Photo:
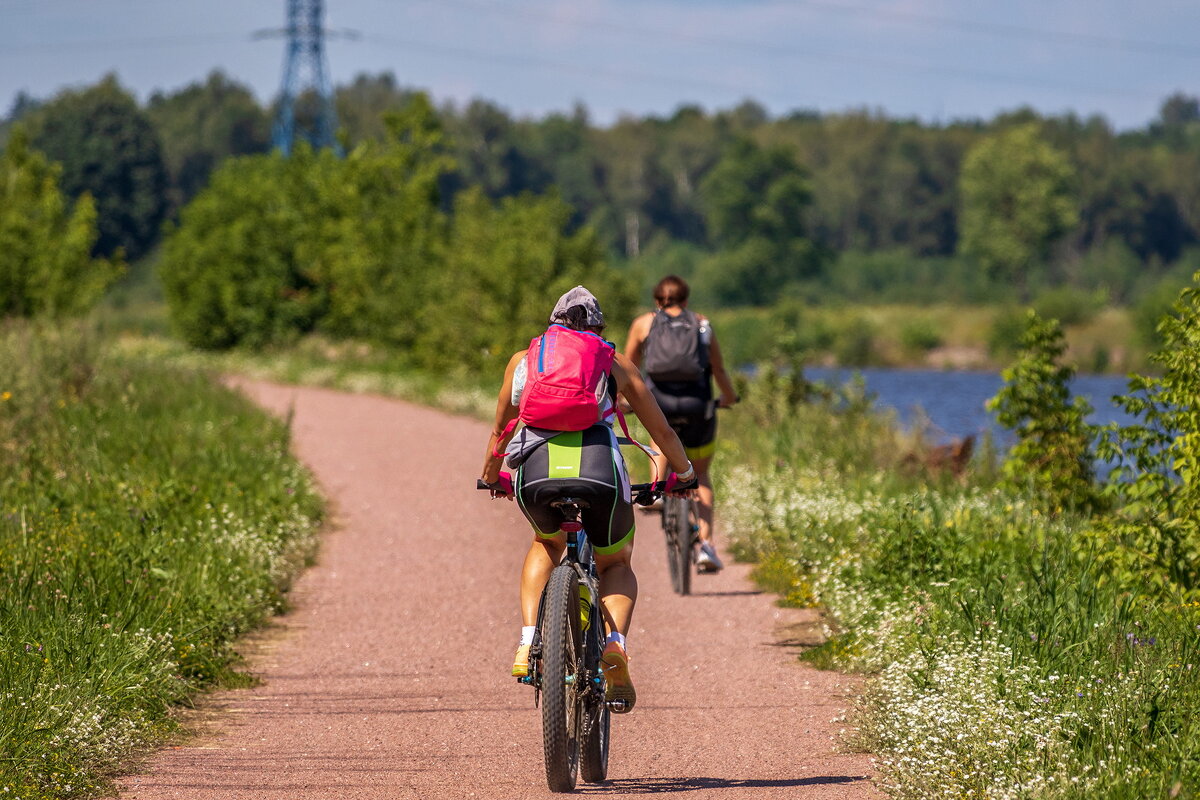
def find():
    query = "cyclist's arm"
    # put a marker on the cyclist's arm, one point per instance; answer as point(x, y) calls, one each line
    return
point(728, 393)
point(506, 412)
point(631, 385)
point(638, 331)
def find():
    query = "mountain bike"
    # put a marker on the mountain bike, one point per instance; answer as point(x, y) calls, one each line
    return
point(564, 660)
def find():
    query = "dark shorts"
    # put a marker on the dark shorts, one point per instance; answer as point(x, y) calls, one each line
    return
point(583, 464)
point(694, 419)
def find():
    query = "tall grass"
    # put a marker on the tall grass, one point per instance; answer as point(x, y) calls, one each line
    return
point(1004, 659)
point(349, 365)
point(147, 517)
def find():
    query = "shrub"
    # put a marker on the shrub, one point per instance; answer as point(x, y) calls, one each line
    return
point(1052, 455)
point(1157, 478)
point(46, 266)
point(1004, 336)
point(854, 345)
point(1070, 306)
point(1152, 307)
point(920, 335)
point(235, 270)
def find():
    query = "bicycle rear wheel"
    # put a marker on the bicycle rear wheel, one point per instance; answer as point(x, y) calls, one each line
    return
point(594, 717)
point(561, 657)
point(670, 525)
point(685, 535)
point(678, 513)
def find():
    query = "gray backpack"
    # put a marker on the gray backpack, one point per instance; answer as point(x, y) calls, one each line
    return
point(674, 350)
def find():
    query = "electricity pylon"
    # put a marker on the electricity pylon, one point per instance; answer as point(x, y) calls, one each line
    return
point(304, 68)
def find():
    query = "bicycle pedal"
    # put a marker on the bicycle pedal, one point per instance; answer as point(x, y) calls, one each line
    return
point(619, 706)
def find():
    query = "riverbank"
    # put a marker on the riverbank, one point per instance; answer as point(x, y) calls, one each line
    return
point(939, 337)
point(1007, 655)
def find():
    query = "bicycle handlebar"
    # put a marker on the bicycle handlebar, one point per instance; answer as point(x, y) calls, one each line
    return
point(643, 493)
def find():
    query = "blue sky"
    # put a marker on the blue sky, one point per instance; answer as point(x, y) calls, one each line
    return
point(938, 60)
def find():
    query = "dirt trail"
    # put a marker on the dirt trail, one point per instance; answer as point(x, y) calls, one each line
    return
point(389, 680)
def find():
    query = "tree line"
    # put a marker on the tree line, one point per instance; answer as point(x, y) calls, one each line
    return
point(751, 207)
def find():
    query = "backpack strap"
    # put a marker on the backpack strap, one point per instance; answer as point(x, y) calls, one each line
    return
point(509, 428)
point(625, 430)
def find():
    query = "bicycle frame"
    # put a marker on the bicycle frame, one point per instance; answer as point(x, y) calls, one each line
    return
point(580, 557)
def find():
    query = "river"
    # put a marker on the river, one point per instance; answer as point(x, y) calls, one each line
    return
point(953, 402)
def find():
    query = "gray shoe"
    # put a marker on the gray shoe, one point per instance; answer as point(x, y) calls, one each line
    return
point(707, 560)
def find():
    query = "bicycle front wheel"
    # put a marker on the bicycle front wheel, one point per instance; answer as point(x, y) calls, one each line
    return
point(561, 660)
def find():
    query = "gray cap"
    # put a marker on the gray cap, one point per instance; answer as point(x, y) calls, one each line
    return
point(579, 296)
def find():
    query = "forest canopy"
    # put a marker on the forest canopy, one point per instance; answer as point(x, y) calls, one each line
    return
point(750, 207)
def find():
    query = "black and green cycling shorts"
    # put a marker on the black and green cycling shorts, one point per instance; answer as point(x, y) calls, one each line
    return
point(586, 465)
point(693, 418)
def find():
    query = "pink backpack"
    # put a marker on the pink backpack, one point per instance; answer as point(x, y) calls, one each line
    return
point(567, 376)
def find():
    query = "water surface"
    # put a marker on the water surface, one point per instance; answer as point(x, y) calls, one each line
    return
point(953, 402)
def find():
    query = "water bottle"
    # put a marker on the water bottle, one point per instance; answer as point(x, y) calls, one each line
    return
point(585, 606)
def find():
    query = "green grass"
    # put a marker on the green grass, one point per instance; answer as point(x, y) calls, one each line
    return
point(1005, 659)
point(147, 518)
point(316, 361)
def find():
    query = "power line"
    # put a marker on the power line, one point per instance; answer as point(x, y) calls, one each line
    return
point(803, 52)
point(538, 62)
point(1008, 30)
point(1003, 30)
point(145, 42)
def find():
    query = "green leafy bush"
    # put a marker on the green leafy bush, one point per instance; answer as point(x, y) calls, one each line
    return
point(234, 272)
point(1052, 456)
point(508, 263)
point(1156, 482)
point(854, 342)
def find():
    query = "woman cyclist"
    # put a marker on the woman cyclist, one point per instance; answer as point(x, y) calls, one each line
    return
point(585, 464)
point(687, 403)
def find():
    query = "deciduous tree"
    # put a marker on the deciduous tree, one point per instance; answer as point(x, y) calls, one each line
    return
point(108, 148)
point(1016, 201)
point(46, 266)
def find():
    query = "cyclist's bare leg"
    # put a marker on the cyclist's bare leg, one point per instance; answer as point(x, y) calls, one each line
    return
point(544, 554)
point(618, 593)
point(618, 588)
point(704, 497)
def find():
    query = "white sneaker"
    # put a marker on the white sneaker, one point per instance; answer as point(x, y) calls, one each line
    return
point(706, 559)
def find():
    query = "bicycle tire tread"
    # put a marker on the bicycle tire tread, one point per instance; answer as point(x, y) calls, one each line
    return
point(560, 632)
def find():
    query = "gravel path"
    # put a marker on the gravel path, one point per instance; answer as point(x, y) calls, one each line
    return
point(389, 680)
